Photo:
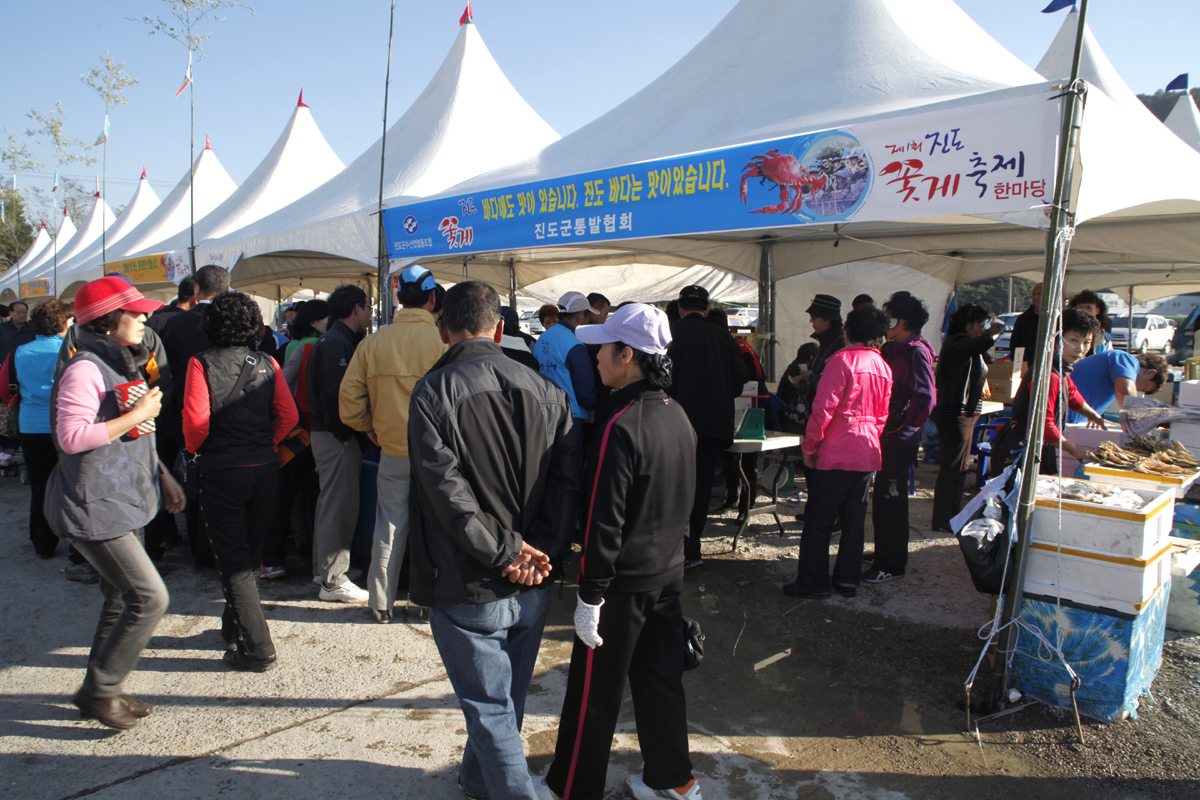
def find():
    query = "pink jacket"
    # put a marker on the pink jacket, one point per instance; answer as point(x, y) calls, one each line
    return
point(850, 411)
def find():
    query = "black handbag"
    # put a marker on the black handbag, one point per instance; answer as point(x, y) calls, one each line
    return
point(693, 639)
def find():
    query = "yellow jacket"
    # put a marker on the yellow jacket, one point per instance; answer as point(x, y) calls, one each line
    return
point(379, 381)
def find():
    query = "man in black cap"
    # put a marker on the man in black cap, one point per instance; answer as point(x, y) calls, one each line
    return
point(708, 375)
point(825, 316)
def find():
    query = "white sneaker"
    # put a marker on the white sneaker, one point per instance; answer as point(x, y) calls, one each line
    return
point(643, 792)
point(542, 790)
point(346, 593)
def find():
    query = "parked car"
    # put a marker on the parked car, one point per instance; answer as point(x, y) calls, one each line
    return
point(1002, 341)
point(742, 317)
point(530, 323)
point(1149, 332)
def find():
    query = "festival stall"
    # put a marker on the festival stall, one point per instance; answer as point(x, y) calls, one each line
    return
point(31, 285)
point(9, 280)
point(43, 276)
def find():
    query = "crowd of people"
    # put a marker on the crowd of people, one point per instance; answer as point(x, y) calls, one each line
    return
point(503, 461)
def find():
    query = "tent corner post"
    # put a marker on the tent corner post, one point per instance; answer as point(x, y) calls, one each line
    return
point(766, 307)
point(512, 284)
point(1058, 247)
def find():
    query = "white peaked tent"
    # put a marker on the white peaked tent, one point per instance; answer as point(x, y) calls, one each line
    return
point(171, 216)
point(860, 60)
point(90, 231)
point(32, 270)
point(8, 281)
point(300, 161)
point(1184, 120)
point(468, 120)
point(143, 202)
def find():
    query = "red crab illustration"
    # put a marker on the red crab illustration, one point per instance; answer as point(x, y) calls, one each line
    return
point(788, 174)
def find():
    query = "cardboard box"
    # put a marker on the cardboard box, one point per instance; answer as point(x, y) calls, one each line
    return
point(1004, 378)
point(1189, 393)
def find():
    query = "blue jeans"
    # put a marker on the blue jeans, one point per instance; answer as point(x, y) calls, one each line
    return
point(489, 651)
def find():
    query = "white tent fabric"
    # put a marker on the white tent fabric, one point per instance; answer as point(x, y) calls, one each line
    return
point(8, 281)
point(144, 201)
point(58, 245)
point(645, 283)
point(89, 232)
point(1184, 121)
point(172, 215)
point(1145, 220)
point(299, 161)
point(468, 120)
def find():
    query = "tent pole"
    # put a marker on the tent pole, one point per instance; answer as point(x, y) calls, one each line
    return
point(766, 308)
point(382, 278)
point(1058, 241)
point(512, 284)
point(1129, 327)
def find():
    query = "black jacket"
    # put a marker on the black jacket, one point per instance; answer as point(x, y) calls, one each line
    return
point(962, 371)
point(183, 337)
point(642, 464)
point(1024, 334)
point(12, 337)
point(830, 342)
point(160, 318)
point(326, 368)
point(494, 463)
point(239, 428)
point(708, 374)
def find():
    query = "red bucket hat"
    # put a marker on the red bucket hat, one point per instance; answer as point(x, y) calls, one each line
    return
point(109, 293)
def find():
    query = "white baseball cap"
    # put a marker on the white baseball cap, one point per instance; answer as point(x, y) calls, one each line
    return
point(638, 325)
point(574, 302)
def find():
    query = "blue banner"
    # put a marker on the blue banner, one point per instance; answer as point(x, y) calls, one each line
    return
point(981, 160)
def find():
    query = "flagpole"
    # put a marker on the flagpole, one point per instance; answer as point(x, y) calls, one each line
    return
point(1058, 240)
point(382, 279)
point(192, 169)
point(104, 193)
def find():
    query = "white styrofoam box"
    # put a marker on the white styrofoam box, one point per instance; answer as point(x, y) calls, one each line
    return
point(1187, 434)
point(1176, 485)
point(1183, 608)
point(1096, 579)
point(1089, 439)
point(1103, 530)
point(1189, 393)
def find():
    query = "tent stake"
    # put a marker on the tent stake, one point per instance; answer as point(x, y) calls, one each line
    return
point(1058, 246)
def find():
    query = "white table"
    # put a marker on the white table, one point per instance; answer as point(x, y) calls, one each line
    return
point(774, 441)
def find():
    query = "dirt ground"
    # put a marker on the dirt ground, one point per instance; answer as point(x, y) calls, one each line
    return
point(814, 700)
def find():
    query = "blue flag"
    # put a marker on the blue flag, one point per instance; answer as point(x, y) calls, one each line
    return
point(1180, 84)
point(1059, 5)
point(951, 307)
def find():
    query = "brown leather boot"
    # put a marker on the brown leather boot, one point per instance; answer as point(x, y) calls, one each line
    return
point(110, 711)
point(136, 707)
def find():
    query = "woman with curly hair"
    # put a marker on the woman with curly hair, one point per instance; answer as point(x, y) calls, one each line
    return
point(108, 484)
point(236, 408)
point(841, 448)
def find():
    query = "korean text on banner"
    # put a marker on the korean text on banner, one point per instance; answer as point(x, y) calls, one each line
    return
point(145, 269)
point(40, 288)
point(986, 159)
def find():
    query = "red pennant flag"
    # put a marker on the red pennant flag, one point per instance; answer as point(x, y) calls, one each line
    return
point(467, 15)
point(207, 144)
point(300, 103)
point(187, 78)
point(143, 173)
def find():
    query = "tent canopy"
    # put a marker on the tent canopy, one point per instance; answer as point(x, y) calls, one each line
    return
point(143, 202)
point(89, 232)
point(468, 120)
point(8, 281)
point(1184, 121)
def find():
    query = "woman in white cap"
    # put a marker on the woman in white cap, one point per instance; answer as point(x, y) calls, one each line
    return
point(108, 484)
point(628, 621)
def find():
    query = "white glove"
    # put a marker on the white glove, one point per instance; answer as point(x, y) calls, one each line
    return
point(587, 621)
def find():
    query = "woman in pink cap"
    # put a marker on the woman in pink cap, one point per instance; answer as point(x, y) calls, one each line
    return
point(108, 484)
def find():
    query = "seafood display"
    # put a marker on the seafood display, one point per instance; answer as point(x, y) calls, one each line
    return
point(1101, 494)
point(1150, 456)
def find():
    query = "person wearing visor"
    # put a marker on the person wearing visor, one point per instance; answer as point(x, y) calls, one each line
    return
point(108, 484)
point(374, 398)
point(628, 619)
point(910, 358)
point(1079, 328)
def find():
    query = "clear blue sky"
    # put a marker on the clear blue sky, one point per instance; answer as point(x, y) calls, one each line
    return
point(572, 61)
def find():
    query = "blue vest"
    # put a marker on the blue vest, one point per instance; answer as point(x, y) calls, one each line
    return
point(35, 371)
point(551, 350)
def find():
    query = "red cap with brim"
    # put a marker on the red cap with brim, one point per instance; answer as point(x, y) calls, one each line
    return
point(99, 297)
